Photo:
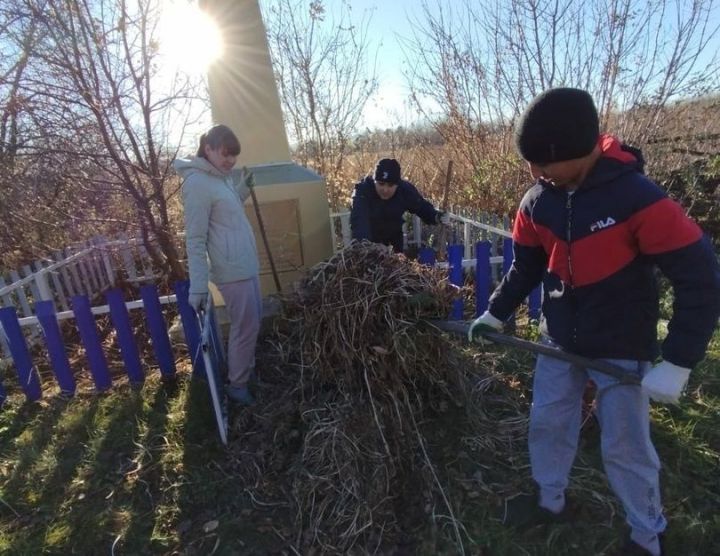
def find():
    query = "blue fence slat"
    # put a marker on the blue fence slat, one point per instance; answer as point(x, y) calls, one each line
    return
point(45, 312)
point(126, 339)
point(27, 374)
point(3, 394)
point(91, 341)
point(534, 303)
point(426, 256)
point(191, 327)
point(158, 330)
point(483, 276)
point(455, 258)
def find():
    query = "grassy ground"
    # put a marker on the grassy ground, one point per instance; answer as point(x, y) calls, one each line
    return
point(142, 472)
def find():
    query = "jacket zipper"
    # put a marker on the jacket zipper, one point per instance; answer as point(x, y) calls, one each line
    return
point(568, 207)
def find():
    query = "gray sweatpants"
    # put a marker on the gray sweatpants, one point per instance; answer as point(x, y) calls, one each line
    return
point(244, 308)
point(629, 457)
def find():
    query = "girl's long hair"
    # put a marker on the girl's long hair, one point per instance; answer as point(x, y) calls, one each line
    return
point(219, 136)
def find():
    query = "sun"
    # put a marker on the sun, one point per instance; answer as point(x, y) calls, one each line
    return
point(190, 40)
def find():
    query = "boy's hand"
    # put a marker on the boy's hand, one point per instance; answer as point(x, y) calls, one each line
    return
point(484, 323)
point(665, 382)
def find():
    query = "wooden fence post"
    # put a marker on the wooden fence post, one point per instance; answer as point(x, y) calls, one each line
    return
point(101, 243)
point(426, 256)
point(125, 337)
point(27, 373)
point(128, 260)
point(455, 268)
point(41, 279)
point(85, 321)
point(20, 293)
point(345, 229)
point(65, 277)
point(483, 275)
point(158, 330)
point(80, 287)
point(6, 302)
point(45, 312)
point(191, 328)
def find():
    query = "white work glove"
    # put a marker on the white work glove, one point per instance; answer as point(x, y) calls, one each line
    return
point(248, 177)
point(243, 177)
point(443, 218)
point(484, 323)
point(665, 382)
point(198, 301)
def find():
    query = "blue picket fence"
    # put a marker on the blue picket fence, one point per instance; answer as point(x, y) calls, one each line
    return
point(483, 274)
point(84, 316)
point(117, 307)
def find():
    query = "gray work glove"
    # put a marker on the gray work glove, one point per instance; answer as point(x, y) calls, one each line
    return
point(484, 323)
point(198, 301)
point(665, 382)
point(443, 218)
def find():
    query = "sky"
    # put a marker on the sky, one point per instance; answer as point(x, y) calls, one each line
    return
point(390, 22)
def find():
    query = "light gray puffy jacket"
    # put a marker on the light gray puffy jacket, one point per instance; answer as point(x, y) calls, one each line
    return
point(216, 227)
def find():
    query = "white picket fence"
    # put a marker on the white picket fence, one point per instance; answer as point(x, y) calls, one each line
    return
point(466, 229)
point(88, 268)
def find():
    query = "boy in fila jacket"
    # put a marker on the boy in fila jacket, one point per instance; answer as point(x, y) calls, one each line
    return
point(593, 229)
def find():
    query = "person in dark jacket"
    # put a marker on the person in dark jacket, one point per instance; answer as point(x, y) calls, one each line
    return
point(379, 203)
point(593, 229)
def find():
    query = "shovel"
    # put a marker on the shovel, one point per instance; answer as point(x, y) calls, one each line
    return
point(461, 328)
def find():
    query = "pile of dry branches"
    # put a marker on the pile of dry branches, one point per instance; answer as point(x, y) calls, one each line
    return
point(357, 322)
point(367, 367)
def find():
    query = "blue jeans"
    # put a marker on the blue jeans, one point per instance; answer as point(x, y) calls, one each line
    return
point(629, 457)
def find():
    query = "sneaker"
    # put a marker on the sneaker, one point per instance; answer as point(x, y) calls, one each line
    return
point(240, 395)
point(631, 548)
point(523, 511)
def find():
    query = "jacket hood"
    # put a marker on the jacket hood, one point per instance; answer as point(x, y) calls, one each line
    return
point(616, 159)
point(187, 166)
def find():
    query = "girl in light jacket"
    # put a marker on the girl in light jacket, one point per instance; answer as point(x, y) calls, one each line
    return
point(217, 231)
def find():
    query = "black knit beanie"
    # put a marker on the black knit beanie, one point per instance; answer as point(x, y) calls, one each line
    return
point(388, 169)
point(559, 124)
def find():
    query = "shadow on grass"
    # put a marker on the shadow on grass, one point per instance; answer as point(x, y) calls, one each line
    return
point(46, 467)
point(147, 486)
point(24, 440)
point(207, 492)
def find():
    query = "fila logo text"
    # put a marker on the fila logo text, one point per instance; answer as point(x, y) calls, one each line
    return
point(602, 224)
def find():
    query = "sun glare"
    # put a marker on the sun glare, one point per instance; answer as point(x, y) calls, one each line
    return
point(189, 38)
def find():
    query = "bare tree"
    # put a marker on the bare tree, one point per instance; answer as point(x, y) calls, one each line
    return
point(95, 99)
point(479, 64)
point(325, 77)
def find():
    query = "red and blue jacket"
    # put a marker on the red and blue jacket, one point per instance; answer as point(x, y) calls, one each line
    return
point(596, 251)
